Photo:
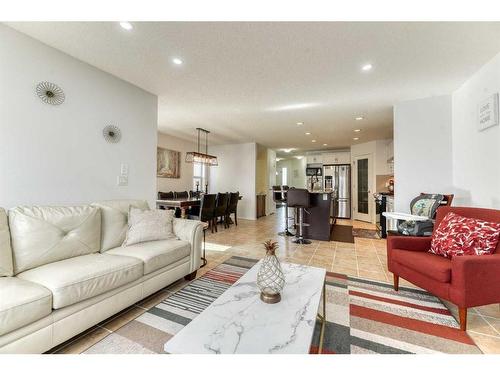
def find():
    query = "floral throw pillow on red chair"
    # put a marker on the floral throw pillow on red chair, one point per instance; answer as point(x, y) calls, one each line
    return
point(459, 235)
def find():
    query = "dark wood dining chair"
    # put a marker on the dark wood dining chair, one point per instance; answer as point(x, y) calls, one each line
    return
point(221, 209)
point(165, 195)
point(194, 194)
point(181, 195)
point(232, 207)
point(207, 210)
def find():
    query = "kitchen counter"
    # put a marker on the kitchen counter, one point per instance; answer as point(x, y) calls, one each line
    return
point(319, 216)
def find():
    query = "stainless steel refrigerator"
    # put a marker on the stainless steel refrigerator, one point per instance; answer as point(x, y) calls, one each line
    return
point(338, 178)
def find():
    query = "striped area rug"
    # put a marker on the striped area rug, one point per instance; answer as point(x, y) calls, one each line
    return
point(363, 316)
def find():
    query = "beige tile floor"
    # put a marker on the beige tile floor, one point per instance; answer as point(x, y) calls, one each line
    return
point(365, 258)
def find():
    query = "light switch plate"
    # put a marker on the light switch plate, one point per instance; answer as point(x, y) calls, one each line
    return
point(124, 169)
point(325, 197)
point(122, 180)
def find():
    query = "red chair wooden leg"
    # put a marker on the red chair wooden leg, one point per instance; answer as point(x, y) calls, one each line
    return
point(462, 312)
point(396, 282)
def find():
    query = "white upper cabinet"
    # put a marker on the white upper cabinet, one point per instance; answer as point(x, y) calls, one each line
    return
point(315, 159)
point(342, 157)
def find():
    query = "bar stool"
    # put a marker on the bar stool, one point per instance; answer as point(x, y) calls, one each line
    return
point(299, 199)
point(279, 197)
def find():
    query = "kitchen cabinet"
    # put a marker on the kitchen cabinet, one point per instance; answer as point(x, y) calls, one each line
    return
point(314, 158)
point(342, 157)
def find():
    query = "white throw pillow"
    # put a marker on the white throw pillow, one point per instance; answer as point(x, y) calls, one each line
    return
point(149, 225)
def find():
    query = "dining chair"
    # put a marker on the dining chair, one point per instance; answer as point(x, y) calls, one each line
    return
point(232, 207)
point(181, 194)
point(164, 195)
point(194, 194)
point(207, 210)
point(221, 209)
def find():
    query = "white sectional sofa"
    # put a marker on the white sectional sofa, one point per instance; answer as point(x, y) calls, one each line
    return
point(63, 270)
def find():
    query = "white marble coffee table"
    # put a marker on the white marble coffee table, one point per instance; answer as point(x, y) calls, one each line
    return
point(239, 322)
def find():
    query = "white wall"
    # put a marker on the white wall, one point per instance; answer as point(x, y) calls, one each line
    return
point(185, 182)
point(296, 172)
point(56, 154)
point(422, 149)
point(476, 155)
point(271, 169)
point(235, 172)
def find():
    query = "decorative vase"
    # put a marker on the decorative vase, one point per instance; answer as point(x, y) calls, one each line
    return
point(270, 278)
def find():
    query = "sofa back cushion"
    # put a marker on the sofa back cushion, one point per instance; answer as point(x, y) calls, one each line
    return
point(6, 267)
point(114, 215)
point(42, 235)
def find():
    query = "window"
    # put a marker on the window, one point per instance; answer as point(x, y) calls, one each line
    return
point(199, 176)
point(284, 176)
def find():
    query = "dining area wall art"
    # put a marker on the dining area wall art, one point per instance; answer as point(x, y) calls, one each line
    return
point(168, 163)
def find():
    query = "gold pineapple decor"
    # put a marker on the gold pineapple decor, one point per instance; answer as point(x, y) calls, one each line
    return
point(270, 278)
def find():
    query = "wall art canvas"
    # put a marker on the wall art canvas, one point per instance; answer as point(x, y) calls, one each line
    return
point(168, 163)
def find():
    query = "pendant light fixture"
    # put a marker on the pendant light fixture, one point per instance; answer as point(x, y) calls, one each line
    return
point(200, 157)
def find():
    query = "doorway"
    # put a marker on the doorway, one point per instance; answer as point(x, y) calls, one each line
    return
point(362, 185)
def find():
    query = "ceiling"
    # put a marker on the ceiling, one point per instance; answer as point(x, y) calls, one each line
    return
point(253, 81)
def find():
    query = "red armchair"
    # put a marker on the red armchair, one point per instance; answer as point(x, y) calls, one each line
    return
point(466, 281)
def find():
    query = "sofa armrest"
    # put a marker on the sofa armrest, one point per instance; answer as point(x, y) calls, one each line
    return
point(475, 280)
point(191, 231)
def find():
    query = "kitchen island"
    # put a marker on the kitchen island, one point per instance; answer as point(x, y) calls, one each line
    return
point(320, 224)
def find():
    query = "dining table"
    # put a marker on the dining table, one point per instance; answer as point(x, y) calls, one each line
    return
point(182, 203)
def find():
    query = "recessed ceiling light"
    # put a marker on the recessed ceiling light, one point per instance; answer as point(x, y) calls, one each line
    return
point(126, 25)
point(177, 61)
point(355, 138)
point(308, 133)
point(359, 118)
point(300, 123)
point(357, 130)
point(367, 67)
point(324, 144)
point(313, 141)
point(287, 150)
point(299, 157)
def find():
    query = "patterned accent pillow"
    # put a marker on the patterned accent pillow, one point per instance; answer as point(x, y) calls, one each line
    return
point(458, 235)
point(149, 225)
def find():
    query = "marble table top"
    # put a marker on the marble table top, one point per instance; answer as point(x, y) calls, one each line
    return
point(239, 322)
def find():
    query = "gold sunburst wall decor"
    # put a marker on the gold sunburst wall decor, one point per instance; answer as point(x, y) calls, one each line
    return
point(50, 93)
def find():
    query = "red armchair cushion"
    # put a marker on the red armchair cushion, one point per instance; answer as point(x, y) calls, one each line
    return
point(430, 265)
point(459, 235)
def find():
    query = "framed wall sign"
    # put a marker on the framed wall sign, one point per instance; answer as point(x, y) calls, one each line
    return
point(488, 112)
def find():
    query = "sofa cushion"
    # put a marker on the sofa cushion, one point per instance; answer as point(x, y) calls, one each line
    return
point(460, 235)
point(149, 225)
point(430, 265)
point(22, 302)
point(42, 235)
point(114, 215)
point(76, 279)
point(6, 267)
point(155, 254)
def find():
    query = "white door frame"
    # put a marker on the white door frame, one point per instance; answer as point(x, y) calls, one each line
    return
point(354, 177)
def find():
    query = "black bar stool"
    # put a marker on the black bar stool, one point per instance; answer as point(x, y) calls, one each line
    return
point(279, 197)
point(299, 199)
